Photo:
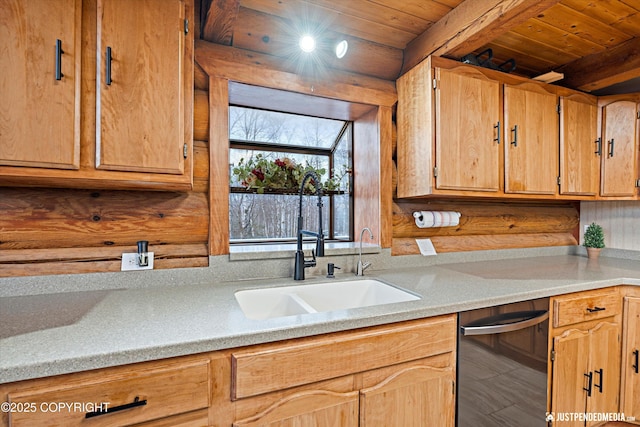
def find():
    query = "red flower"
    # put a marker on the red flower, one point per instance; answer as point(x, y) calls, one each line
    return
point(280, 163)
point(258, 173)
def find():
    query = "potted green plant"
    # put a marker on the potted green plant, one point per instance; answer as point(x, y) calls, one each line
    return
point(594, 240)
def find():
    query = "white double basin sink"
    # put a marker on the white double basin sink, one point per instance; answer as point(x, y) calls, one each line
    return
point(281, 301)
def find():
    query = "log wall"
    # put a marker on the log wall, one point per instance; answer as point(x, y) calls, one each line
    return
point(59, 231)
point(486, 225)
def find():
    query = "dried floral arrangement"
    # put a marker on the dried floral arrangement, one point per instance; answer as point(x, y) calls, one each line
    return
point(261, 173)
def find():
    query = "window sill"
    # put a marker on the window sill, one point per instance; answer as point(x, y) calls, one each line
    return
point(278, 251)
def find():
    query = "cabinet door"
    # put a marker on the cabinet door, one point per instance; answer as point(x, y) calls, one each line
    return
point(415, 396)
point(619, 121)
point(605, 369)
point(315, 408)
point(40, 83)
point(467, 131)
point(630, 399)
point(580, 149)
point(569, 377)
point(140, 98)
point(531, 140)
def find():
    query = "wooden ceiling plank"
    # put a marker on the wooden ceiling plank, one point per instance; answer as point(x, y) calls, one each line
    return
point(534, 49)
point(557, 38)
point(472, 24)
point(274, 36)
point(267, 71)
point(574, 22)
point(218, 20)
point(305, 16)
point(603, 69)
point(615, 13)
point(431, 11)
point(379, 14)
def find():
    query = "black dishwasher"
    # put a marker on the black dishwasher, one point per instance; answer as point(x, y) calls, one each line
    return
point(502, 365)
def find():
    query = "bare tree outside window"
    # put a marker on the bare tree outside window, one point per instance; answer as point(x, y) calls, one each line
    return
point(323, 144)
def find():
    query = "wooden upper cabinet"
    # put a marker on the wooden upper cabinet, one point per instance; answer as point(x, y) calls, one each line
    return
point(415, 121)
point(467, 109)
point(531, 139)
point(40, 83)
point(140, 99)
point(580, 148)
point(619, 148)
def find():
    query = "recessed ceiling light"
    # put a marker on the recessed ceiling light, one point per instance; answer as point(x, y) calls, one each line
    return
point(307, 43)
point(341, 49)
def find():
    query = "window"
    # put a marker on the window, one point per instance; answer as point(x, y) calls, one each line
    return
point(267, 143)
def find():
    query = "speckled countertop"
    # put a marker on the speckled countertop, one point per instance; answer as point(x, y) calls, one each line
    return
point(50, 334)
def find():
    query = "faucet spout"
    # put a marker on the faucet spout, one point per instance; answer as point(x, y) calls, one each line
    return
point(300, 262)
point(361, 267)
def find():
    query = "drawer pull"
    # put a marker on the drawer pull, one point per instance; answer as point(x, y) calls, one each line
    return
point(595, 309)
point(136, 402)
point(599, 386)
point(635, 366)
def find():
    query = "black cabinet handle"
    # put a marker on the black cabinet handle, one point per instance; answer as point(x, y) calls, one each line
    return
point(590, 382)
point(595, 309)
point(611, 147)
point(59, 53)
point(136, 402)
point(108, 66)
point(635, 366)
point(600, 374)
point(514, 132)
point(497, 138)
point(599, 146)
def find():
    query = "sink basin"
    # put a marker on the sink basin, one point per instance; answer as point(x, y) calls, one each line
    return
point(293, 300)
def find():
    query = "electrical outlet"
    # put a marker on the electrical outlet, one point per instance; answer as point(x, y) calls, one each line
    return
point(585, 228)
point(130, 262)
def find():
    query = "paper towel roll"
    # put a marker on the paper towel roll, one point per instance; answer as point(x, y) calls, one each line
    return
point(428, 219)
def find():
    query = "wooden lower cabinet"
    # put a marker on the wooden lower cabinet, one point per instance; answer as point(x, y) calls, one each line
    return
point(394, 375)
point(419, 394)
point(630, 390)
point(585, 357)
point(315, 407)
point(413, 394)
point(172, 392)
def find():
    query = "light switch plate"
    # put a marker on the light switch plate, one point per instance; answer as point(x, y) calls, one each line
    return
point(129, 262)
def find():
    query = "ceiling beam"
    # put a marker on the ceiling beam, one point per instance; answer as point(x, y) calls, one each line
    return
point(259, 69)
point(471, 25)
point(602, 69)
point(218, 19)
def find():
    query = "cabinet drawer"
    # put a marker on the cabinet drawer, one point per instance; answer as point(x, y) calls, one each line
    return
point(278, 366)
point(585, 306)
point(134, 397)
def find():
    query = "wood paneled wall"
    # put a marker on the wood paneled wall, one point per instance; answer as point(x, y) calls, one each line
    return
point(620, 221)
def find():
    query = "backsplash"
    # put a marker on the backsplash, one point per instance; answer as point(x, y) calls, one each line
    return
point(620, 221)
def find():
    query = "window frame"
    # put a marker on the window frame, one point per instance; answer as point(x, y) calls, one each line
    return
point(315, 151)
